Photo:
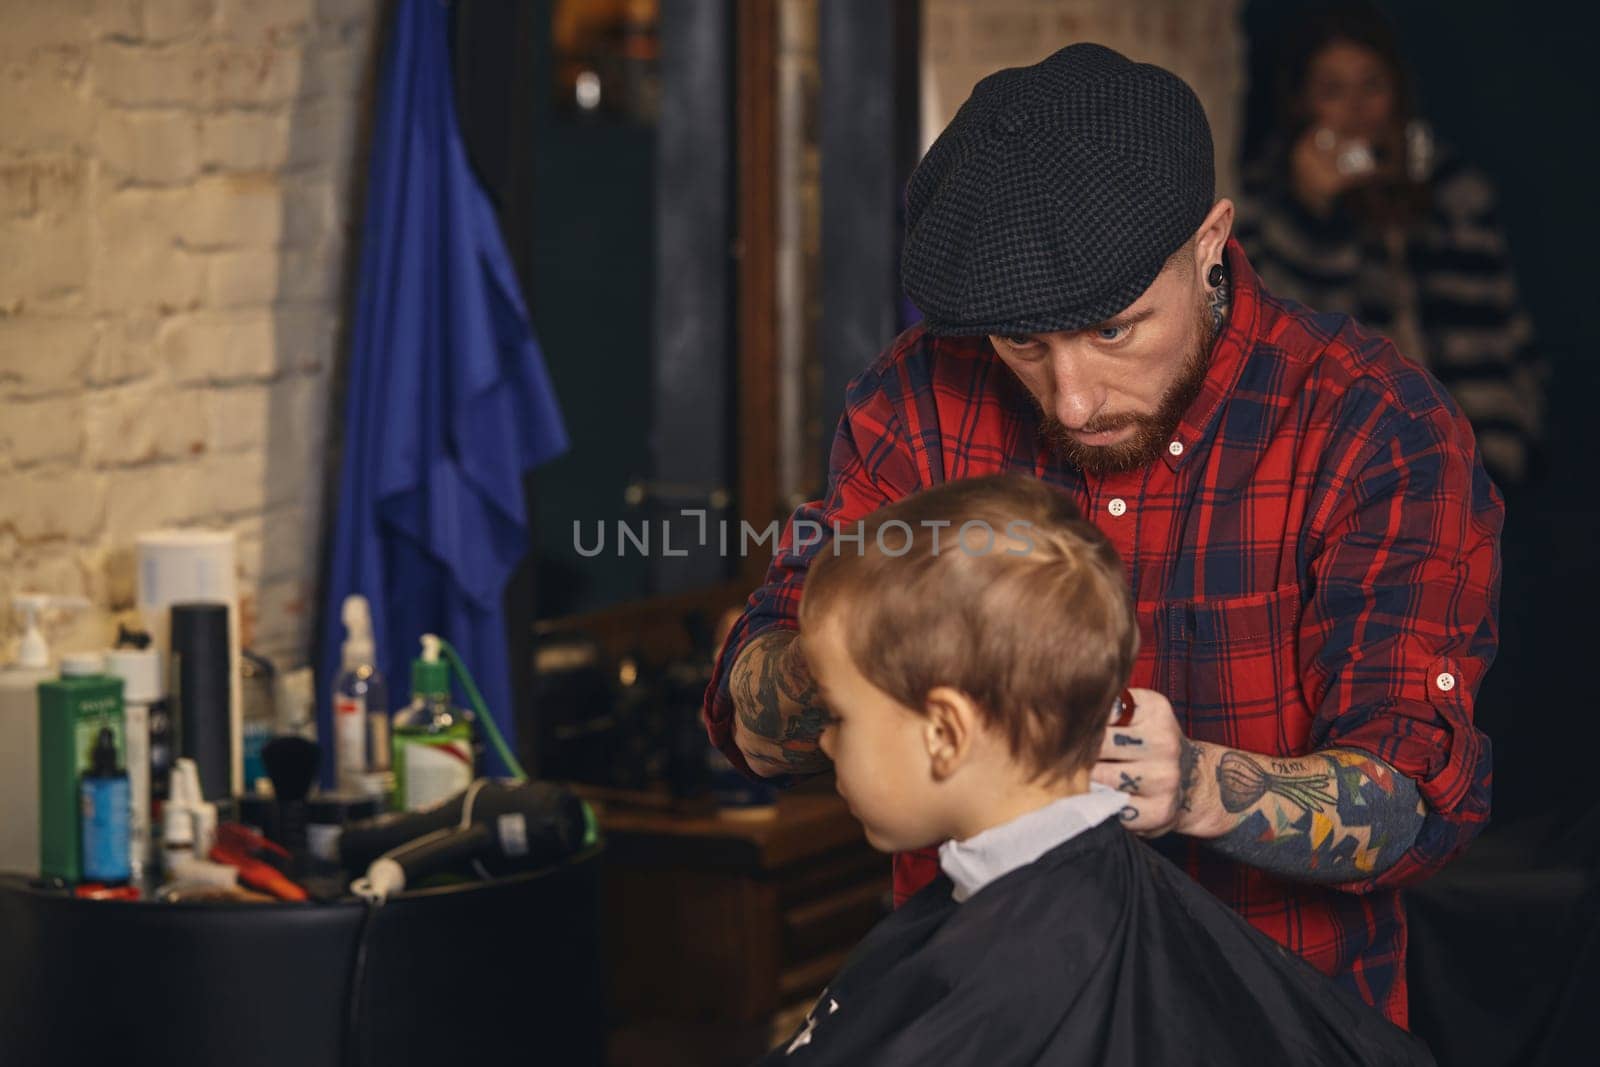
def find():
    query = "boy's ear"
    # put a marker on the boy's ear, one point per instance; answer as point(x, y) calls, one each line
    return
point(951, 730)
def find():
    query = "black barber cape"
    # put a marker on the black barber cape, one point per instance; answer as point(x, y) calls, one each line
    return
point(1099, 952)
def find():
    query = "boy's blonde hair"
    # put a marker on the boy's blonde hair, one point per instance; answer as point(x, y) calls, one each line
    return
point(1038, 630)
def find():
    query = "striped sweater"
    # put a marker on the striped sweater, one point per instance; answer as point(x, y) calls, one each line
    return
point(1443, 292)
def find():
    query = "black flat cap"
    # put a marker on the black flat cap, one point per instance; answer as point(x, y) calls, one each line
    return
point(1056, 195)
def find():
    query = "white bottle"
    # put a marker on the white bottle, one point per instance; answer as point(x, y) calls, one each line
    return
point(19, 726)
point(360, 706)
point(142, 693)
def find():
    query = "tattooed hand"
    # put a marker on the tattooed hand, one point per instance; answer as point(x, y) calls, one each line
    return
point(777, 713)
point(1151, 761)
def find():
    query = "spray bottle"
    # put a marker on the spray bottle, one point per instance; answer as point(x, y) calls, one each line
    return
point(19, 726)
point(433, 750)
point(360, 708)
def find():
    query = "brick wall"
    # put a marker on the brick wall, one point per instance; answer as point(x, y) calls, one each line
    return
point(176, 191)
point(1198, 40)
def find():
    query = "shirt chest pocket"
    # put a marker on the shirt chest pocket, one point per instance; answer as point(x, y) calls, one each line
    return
point(1230, 667)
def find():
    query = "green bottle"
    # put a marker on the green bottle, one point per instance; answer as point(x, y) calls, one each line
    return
point(434, 757)
point(73, 710)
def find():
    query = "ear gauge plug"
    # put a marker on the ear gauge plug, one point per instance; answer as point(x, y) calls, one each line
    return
point(1215, 275)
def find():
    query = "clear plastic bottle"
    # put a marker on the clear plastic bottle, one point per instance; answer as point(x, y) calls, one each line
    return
point(360, 708)
point(434, 756)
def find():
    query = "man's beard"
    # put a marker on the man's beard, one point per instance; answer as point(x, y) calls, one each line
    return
point(1151, 432)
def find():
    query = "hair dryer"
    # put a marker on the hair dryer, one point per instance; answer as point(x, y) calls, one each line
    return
point(493, 828)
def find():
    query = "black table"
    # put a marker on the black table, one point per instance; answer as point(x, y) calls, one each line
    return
point(498, 972)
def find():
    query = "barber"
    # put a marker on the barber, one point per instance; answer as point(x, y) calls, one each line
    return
point(1303, 514)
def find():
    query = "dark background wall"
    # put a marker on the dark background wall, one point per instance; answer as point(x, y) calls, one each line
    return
point(1514, 87)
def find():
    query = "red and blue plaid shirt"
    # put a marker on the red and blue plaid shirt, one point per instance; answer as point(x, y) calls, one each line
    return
point(1314, 558)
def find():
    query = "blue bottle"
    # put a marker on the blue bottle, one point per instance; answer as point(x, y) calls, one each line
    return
point(107, 811)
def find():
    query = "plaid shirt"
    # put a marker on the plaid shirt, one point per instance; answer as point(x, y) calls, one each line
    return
point(1315, 563)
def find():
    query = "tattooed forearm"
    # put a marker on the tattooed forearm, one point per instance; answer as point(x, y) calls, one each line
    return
point(777, 705)
point(1334, 816)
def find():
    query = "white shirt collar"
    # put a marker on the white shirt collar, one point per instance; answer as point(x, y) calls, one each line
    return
point(999, 850)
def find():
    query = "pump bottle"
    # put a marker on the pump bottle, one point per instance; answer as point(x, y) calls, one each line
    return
point(360, 708)
point(433, 742)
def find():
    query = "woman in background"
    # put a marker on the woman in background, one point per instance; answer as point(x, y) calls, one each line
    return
point(1353, 208)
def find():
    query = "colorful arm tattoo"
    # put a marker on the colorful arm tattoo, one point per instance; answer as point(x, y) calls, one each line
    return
point(777, 700)
point(1333, 816)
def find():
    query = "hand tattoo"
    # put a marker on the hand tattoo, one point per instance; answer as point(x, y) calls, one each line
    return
point(776, 699)
point(1129, 783)
point(1123, 740)
point(1188, 768)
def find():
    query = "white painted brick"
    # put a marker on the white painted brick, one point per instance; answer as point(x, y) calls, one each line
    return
point(236, 483)
point(217, 347)
point(18, 197)
point(118, 18)
point(310, 212)
point(249, 547)
point(153, 250)
point(126, 351)
point(290, 541)
point(150, 277)
point(111, 574)
point(158, 148)
point(44, 355)
point(39, 431)
point(93, 564)
point(324, 130)
point(311, 274)
point(147, 498)
point(165, 20)
point(48, 567)
point(245, 279)
point(296, 431)
point(306, 336)
point(284, 610)
point(32, 27)
point(131, 218)
point(56, 119)
point(237, 418)
point(232, 211)
point(246, 140)
point(337, 72)
point(140, 424)
point(42, 185)
point(347, 13)
point(285, 419)
point(257, 75)
point(137, 75)
point(50, 503)
point(280, 22)
point(44, 263)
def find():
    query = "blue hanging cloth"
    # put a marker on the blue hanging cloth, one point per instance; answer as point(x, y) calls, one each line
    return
point(448, 401)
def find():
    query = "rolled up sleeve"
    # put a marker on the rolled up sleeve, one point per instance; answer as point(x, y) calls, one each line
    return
point(1402, 624)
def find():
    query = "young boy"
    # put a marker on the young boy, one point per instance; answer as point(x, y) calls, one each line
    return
point(970, 646)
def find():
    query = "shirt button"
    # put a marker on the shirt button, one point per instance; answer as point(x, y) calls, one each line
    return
point(1176, 448)
point(1118, 507)
point(1446, 682)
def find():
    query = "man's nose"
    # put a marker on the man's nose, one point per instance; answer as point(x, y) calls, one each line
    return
point(1078, 397)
